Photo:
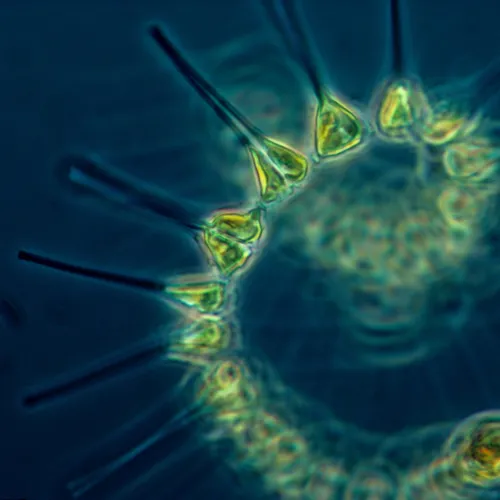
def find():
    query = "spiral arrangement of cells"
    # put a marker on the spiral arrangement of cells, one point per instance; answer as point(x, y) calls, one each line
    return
point(389, 207)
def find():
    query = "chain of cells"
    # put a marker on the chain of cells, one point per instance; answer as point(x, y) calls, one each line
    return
point(386, 236)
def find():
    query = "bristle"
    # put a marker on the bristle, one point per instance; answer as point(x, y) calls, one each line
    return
point(245, 131)
point(138, 357)
point(396, 42)
point(85, 484)
point(486, 85)
point(89, 176)
point(286, 18)
point(141, 283)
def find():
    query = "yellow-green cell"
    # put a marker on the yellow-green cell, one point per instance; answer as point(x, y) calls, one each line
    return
point(245, 227)
point(445, 124)
point(227, 385)
point(292, 164)
point(474, 450)
point(459, 207)
point(199, 292)
point(474, 160)
point(326, 479)
point(399, 106)
point(227, 254)
point(484, 450)
point(204, 337)
point(338, 128)
point(272, 183)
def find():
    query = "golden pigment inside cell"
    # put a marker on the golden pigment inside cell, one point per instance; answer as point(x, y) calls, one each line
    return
point(201, 292)
point(444, 125)
point(201, 339)
point(459, 207)
point(338, 128)
point(272, 183)
point(226, 384)
point(293, 165)
point(474, 160)
point(474, 450)
point(396, 112)
point(243, 226)
point(228, 255)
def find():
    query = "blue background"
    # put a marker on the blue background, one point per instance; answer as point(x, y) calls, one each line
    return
point(79, 77)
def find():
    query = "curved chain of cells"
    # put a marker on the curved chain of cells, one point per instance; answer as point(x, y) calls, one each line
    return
point(413, 248)
point(379, 241)
point(468, 465)
point(234, 397)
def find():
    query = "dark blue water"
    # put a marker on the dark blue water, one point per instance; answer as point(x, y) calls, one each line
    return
point(83, 379)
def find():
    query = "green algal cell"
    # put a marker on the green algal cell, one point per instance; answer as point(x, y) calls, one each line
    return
point(395, 116)
point(459, 207)
point(292, 164)
point(245, 227)
point(447, 122)
point(474, 160)
point(338, 129)
point(227, 254)
point(272, 183)
point(205, 295)
point(207, 335)
point(475, 450)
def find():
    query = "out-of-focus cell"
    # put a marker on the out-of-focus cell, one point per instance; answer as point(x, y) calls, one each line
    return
point(228, 255)
point(278, 452)
point(474, 450)
point(326, 480)
point(458, 243)
point(338, 128)
point(289, 472)
point(266, 429)
point(421, 236)
point(272, 183)
point(459, 207)
point(270, 443)
point(371, 484)
point(416, 231)
point(443, 125)
point(245, 227)
point(474, 160)
point(401, 104)
point(289, 449)
point(201, 292)
point(227, 384)
point(202, 339)
point(293, 165)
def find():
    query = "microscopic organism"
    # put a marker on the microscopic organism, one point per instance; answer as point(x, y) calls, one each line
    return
point(379, 215)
